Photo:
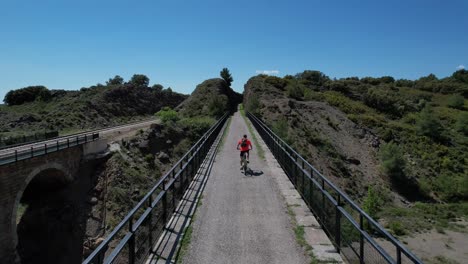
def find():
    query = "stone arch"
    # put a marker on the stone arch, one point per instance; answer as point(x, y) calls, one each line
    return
point(59, 171)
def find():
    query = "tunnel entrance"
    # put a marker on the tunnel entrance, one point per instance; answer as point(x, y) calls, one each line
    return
point(47, 225)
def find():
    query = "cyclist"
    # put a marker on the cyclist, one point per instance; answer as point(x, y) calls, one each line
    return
point(244, 145)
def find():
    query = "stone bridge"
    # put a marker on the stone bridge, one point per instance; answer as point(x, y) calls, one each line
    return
point(55, 183)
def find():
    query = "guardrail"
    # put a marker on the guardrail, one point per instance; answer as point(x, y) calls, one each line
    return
point(358, 237)
point(133, 239)
point(9, 142)
point(49, 147)
point(77, 134)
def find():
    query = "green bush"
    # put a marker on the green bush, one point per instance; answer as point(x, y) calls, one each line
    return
point(456, 101)
point(462, 123)
point(372, 202)
point(27, 94)
point(428, 124)
point(397, 228)
point(280, 128)
point(217, 105)
point(393, 162)
point(311, 95)
point(276, 82)
point(295, 91)
point(167, 114)
point(253, 104)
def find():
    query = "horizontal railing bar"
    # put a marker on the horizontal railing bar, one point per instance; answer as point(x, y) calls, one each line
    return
point(119, 248)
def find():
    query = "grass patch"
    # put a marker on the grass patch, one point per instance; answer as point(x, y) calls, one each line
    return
point(299, 233)
point(187, 238)
point(261, 152)
point(20, 212)
point(225, 132)
point(423, 217)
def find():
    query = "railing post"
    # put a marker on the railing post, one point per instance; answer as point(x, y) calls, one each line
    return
point(45, 148)
point(32, 151)
point(361, 240)
point(338, 224)
point(164, 201)
point(131, 242)
point(68, 142)
point(16, 155)
point(150, 223)
point(398, 255)
point(57, 145)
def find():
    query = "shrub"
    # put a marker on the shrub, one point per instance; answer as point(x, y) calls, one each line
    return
point(167, 114)
point(295, 91)
point(276, 82)
point(456, 101)
point(393, 162)
point(217, 105)
point(27, 94)
point(397, 228)
point(462, 123)
point(372, 202)
point(280, 128)
point(428, 125)
point(310, 95)
point(253, 104)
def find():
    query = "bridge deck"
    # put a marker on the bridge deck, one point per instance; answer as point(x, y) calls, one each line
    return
point(242, 219)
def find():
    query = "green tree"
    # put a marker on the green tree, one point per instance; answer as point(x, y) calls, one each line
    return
point(295, 91)
point(393, 162)
point(313, 77)
point(157, 87)
point(226, 75)
point(217, 105)
point(27, 94)
point(462, 123)
point(372, 202)
point(139, 80)
point(456, 101)
point(427, 124)
point(117, 80)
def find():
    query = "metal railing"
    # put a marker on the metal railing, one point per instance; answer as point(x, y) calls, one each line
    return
point(133, 239)
point(356, 235)
point(13, 141)
point(36, 138)
point(15, 155)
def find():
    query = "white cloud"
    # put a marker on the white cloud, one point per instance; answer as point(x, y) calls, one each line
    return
point(268, 72)
point(461, 67)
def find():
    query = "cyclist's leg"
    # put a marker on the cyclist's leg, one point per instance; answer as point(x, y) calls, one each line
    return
point(241, 158)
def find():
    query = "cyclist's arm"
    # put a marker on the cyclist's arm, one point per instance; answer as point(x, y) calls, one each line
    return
point(238, 144)
point(250, 144)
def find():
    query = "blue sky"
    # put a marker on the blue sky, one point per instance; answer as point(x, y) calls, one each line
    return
point(74, 44)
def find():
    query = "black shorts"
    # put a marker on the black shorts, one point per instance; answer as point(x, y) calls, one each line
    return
point(242, 152)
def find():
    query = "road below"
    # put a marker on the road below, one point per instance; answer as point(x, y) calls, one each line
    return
point(242, 219)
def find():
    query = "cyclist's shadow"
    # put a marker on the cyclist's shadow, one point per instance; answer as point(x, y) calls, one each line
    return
point(255, 173)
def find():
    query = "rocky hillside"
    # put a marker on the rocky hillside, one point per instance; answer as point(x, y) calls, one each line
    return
point(212, 97)
point(93, 107)
point(404, 140)
point(338, 147)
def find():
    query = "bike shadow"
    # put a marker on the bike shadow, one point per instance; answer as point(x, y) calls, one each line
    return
point(254, 173)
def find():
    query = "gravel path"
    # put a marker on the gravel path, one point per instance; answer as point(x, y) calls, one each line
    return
point(242, 219)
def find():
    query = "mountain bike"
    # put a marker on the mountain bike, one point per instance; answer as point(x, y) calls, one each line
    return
point(245, 167)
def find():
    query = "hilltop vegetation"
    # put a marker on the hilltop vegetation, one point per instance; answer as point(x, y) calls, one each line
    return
point(407, 139)
point(212, 97)
point(37, 109)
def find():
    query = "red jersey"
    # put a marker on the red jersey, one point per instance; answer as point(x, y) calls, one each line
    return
point(248, 145)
